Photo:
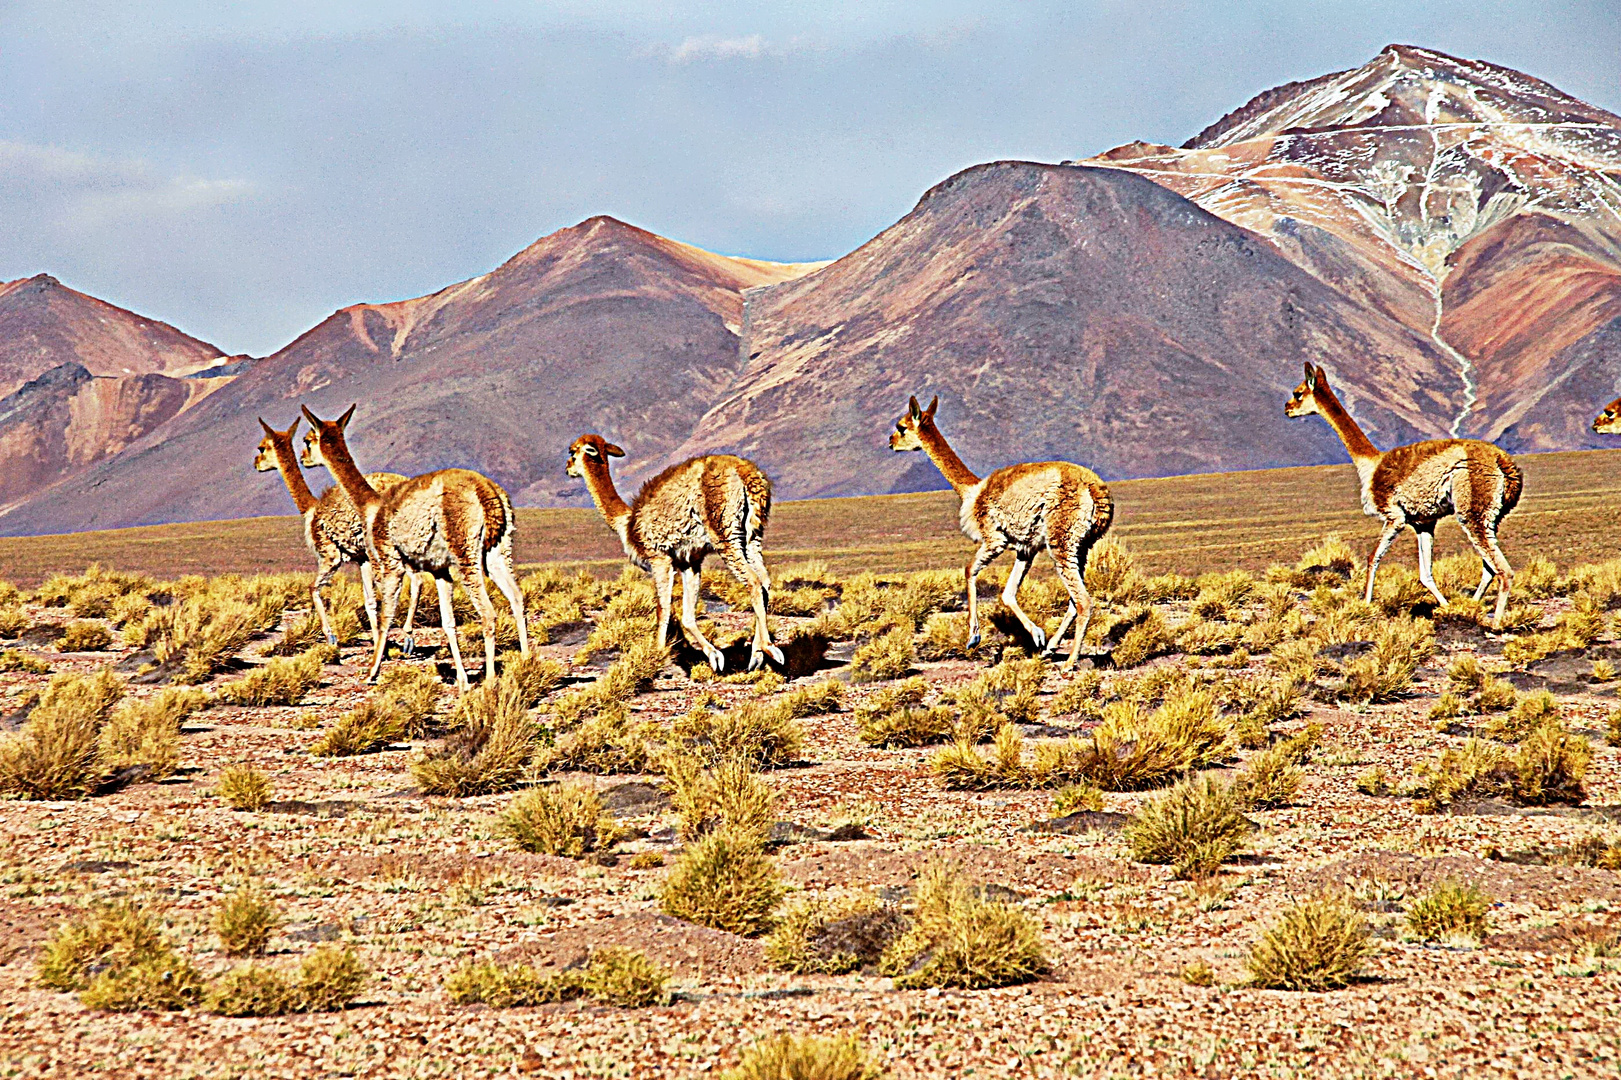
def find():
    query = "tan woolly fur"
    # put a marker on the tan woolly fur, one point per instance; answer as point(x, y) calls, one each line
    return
point(1417, 485)
point(1050, 506)
point(1609, 421)
point(450, 520)
point(333, 530)
point(713, 504)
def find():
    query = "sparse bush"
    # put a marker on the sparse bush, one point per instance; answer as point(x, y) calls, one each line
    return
point(1144, 635)
point(1270, 779)
point(767, 734)
point(724, 881)
point(251, 990)
point(832, 934)
point(562, 819)
point(1111, 573)
point(145, 734)
point(14, 621)
point(1080, 697)
point(244, 922)
point(56, 755)
point(507, 986)
point(1317, 945)
point(12, 660)
point(1451, 909)
point(906, 726)
point(638, 665)
point(1375, 781)
point(119, 962)
point(162, 983)
point(626, 978)
point(959, 939)
point(244, 788)
point(1073, 798)
point(1549, 767)
point(1529, 713)
point(1465, 676)
point(889, 656)
point(608, 743)
point(730, 797)
point(1195, 827)
point(1495, 696)
point(194, 636)
point(1198, 973)
point(1387, 669)
point(646, 860)
point(281, 681)
point(328, 979)
point(83, 637)
point(493, 739)
point(804, 1057)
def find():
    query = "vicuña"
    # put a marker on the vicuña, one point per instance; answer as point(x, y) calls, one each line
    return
point(1052, 505)
point(717, 503)
point(1419, 484)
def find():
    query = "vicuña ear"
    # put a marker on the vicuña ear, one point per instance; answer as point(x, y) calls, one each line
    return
point(1310, 374)
point(933, 405)
point(611, 450)
point(315, 422)
point(912, 409)
point(293, 430)
point(343, 421)
point(1319, 377)
point(268, 429)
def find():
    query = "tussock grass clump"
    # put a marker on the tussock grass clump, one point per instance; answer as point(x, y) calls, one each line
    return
point(638, 665)
point(1317, 945)
point(724, 881)
point(888, 656)
point(832, 933)
point(84, 637)
point(244, 788)
point(959, 939)
point(282, 681)
point(1497, 695)
point(328, 979)
point(244, 922)
point(626, 978)
point(1451, 909)
point(730, 797)
point(142, 738)
point(194, 636)
point(13, 660)
point(14, 621)
point(1387, 669)
point(400, 709)
point(1528, 714)
point(1139, 636)
point(56, 754)
point(1272, 778)
point(1577, 628)
point(565, 819)
point(1330, 562)
point(250, 990)
point(906, 726)
point(1548, 767)
point(767, 734)
point(491, 742)
point(1073, 798)
point(508, 986)
point(119, 962)
point(804, 1057)
point(1195, 827)
point(608, 743)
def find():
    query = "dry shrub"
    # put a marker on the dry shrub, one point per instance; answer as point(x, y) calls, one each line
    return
point(626, 978)
point(1272, 778)
point(1385, 670)
point(143, 737)
point(491, 742)
point(1111, 573)
point(244, 922)
point(250, 990)
point(907, 726)
point(1195, 827)
point(1139, 636)
point(944, 637)
point(13, 660)
point(507, 986)
point(638, 665)
point(959, 939)
point(888, 656)
point(1317, 945)
point(1080, 697)
point(119, 962)
point(1465, 676)
point(244, 788)
point(1074, 798)
point(14, 622)
point(282, 681)
point(1548, 767)
point(1495, 696)
point(328, 979)
point(1219, 594)
point(804, 1057)
point(1330, 562)
point(194, 636)
point(371, 725)
point(56, 755)
point(1450, 910)
point(608, 743)
point(832, 933)
point(724, 881)
point(84, 637)
point(565, 819)
point(630, 618)
point(765, 734)
point(730, 797)
point(1529, 713)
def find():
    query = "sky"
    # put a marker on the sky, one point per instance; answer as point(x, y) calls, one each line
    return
point(242, 170)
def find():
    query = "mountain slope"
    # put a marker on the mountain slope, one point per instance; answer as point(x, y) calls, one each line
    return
point(1065, 312)
point(599, 326)
point(1475, 204)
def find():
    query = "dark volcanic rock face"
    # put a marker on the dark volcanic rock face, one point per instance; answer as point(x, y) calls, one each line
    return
point(601, 327)
point(1059, 312)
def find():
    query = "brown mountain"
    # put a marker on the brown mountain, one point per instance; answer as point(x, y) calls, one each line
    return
point(597, 327)
point(44, 324)
point(1475, 204)
point(1058, 311)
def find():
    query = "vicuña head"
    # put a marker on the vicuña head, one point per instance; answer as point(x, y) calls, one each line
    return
point(1609, 421)
point(265, 459)
point(587, 450)
point(1304, 401)
point(909, 428)
point(322, 436)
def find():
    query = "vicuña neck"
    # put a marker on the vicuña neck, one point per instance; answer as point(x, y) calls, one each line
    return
point(342, 466)
point(1356, 443)
point(605, 495)
point(293, 476)
point(945, 459)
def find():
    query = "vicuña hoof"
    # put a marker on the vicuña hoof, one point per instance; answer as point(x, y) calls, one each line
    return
point(1039, 636)
point(756, 658)
point(973, 640)
point(410, 645)
point(331, 639)
point(776, 654)
point(717, 660)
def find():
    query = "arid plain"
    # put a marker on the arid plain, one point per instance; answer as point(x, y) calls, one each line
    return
point(1100, 852)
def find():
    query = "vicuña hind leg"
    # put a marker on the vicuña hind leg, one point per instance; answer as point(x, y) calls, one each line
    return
point(414, 581)
point(1010, 597)
point(389, 582)
point(499, 565)
point(691, 583)
point(1080, 600)
point(1426, 552)
point(447, 619)
point(735, 554)
point(1385, 539)
point(323, 574)
point(982, 558)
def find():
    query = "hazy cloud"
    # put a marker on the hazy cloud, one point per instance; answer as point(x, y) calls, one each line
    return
point(243, 170)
